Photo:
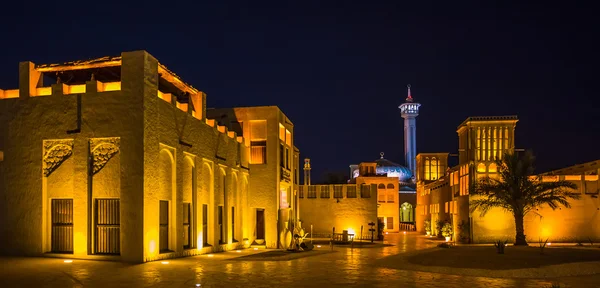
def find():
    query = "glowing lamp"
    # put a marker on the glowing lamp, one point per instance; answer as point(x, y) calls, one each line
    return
point(164, 262)
point(386, 233)
point(318, 246)
point(549, 243)
point(152, 247)
point(210, 255)
point(68, 261)
point(255, 248)
point(198, 285)
point(238, 251)
point(404, 232)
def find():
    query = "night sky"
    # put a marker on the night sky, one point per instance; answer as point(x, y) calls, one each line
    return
point(339, 69)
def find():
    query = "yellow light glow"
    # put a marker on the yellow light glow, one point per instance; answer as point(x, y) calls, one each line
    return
point(175, 80)
point(43, 91)
point(255, 248)
point(386, 233)
point(210, 255)
point(164, 262)
point(80, 65)
point(75, 89)
point(68, 261)
point(351, 231)
point(238, 251)
point(404, 232)
point(549, 243)
point(5, 94)
point(111, 86)
point(80, 243)
point(318, 246)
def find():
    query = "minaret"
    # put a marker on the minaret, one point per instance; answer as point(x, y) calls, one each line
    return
point(409, 111)
point(306, 171)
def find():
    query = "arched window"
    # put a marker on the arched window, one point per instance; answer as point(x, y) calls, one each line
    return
point(391, 193)
point(381, 193)
point(493, 168)
point(481, 167)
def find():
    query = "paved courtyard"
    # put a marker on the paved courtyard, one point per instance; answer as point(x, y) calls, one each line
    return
point(345, 267)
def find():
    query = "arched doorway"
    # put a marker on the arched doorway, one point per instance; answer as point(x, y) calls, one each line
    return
point(406, 214)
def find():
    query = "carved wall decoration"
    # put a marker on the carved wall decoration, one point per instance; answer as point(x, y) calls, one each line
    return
point(102, 150)
point(55, 153)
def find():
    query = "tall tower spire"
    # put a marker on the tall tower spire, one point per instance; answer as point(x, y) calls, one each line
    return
point(306, 171)
point(409, 111)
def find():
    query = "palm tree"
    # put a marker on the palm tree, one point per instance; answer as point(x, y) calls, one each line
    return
point(517, 190)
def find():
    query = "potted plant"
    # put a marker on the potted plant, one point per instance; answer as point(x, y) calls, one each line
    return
point(447, 231)
point(438, 228)
point(428, 227)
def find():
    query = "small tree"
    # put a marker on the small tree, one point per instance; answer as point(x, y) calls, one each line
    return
point(428, 226)
point(447, 230)
point(518, 191)
point(438, 227)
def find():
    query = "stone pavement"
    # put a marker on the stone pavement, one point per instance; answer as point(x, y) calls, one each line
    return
point(345, 267)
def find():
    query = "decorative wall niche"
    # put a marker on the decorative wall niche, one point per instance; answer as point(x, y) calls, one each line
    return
point(55, 153)
point(102, 150)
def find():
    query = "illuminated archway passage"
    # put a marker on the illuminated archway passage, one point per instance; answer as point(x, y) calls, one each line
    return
point(406, 214)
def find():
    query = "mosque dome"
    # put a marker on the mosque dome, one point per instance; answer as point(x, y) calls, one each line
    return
point(392, 169)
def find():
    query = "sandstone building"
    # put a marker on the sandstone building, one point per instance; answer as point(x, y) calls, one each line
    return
point(118, 160)
point(443, 193)
point(273, 187)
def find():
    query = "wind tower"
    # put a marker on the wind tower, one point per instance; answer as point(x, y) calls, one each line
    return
point(306, 171)
point(409, 111)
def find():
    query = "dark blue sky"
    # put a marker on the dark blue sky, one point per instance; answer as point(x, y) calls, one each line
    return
point(339, 69)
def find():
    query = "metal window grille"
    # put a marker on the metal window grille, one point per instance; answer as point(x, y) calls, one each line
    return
point(351, 192)
point(325, 192)
point(312, 192)
point(62, 226)
point(337, 191)
point(108, 226)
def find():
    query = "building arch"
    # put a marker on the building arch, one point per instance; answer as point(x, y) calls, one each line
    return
point(481, 167)
point(236, 208)
point(167, 200)
point(381, 192)
point(190, 202)
point(493, 168)
point(391, 193)
point(406, 212)
point(207, 216)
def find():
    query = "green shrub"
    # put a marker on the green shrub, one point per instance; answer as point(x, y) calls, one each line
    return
point(447, 230)
point(427, 226)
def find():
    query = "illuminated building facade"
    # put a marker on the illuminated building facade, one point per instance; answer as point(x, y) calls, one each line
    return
point(443, 193)
point(274, 164)
point(117, 160)
point(341, 206)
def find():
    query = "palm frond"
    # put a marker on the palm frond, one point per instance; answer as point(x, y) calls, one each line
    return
point(517, 189)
